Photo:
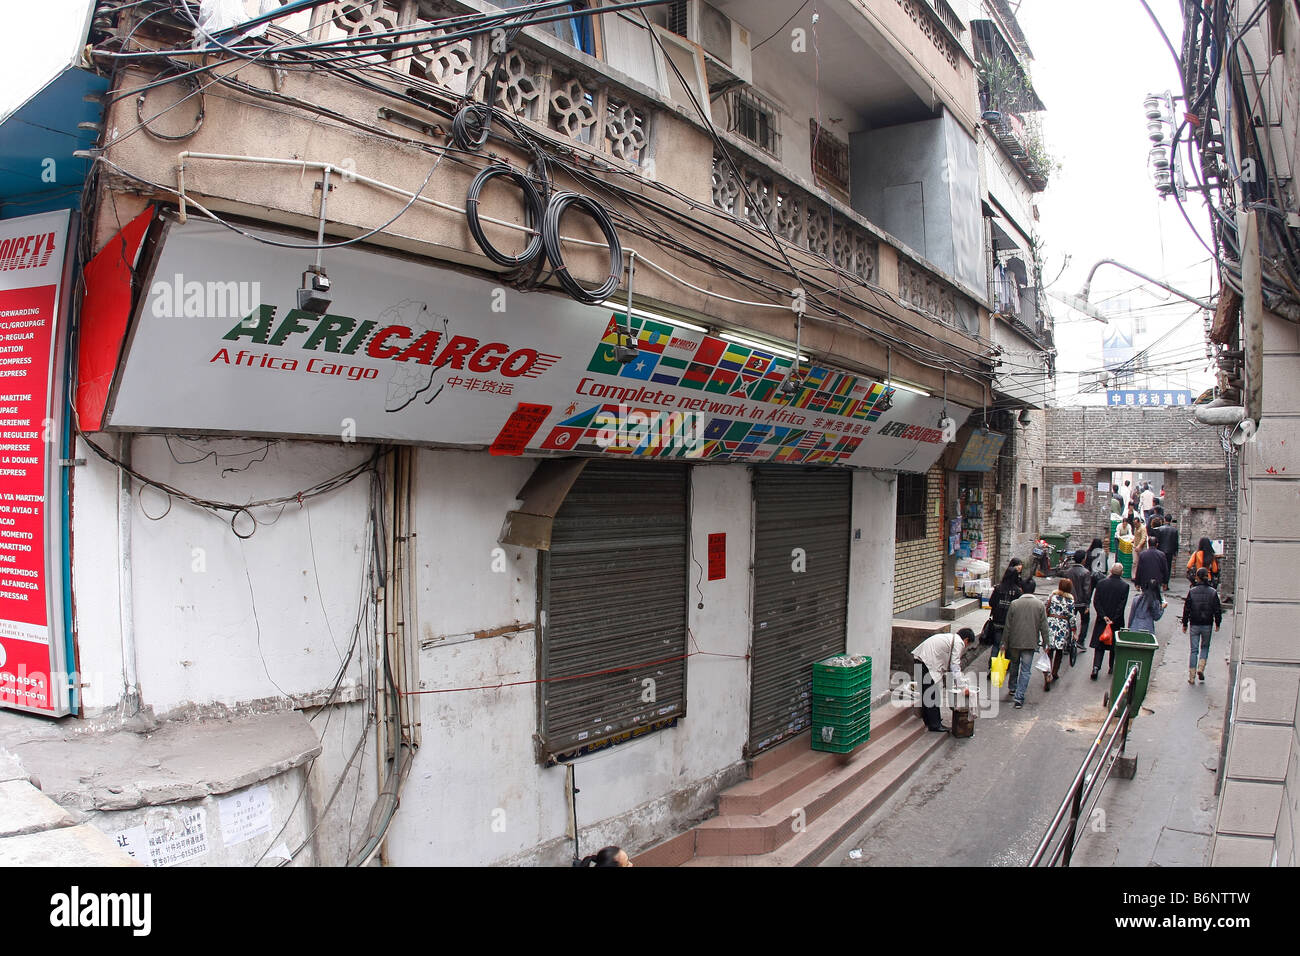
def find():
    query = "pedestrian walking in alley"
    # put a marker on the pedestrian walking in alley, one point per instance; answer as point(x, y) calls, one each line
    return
point(1081, 585)
point(1147, 503)
point(1116, 501)
point(1201, 610)
point(1109, 600)
point(1025, 633)
point(1008, 589)
point(1139, 539)
point(1167, 539)
point(1150, 569)
point(1148, 607)
point(1096, 562)
point(1060, 628)
point(934, 655)
point(1204, 557)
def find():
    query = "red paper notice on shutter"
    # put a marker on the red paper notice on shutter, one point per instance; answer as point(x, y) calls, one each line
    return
point(717, 556)
point(1081, 497)
point(519, 429)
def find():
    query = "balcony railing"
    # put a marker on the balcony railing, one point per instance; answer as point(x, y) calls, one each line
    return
point(801, 218)
point(1009, 132)
point(541, 89)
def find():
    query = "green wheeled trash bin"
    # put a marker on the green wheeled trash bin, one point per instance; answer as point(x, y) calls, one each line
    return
point(1132, 649)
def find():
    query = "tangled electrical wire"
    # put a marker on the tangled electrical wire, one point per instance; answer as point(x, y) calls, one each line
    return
point(476, 123)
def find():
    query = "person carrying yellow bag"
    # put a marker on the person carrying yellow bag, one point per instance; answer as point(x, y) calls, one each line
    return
point(998, 667)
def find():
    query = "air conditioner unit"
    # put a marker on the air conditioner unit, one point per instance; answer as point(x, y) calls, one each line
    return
point(725, 42)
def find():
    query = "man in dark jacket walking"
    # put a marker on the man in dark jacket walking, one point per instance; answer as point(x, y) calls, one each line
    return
point(1152, 569)
point(1109, 601)
point(1167, 538)
point(1080, 578)
point(1200, 609)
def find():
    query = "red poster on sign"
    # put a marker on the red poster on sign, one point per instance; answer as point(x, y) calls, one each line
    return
point(1081, 497)
point(1078, 478)
point(31, 634)
point(717, 556)
point(519, 429)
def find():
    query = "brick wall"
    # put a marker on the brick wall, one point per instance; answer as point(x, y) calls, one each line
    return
point(1097, 441)
point(918, 565)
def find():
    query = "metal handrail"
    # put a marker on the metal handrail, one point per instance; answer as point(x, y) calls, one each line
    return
point(1085, 784)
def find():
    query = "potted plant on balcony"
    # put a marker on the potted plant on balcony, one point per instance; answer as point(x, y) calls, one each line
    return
point(1003, 87)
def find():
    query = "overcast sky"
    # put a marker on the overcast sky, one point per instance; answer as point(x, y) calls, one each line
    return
point(1093, 64)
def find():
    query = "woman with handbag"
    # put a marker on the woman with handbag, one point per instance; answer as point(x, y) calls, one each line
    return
point(1060, 628)
point(1109, 600)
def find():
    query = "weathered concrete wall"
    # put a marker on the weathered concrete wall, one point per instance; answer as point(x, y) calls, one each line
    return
point(477, 766)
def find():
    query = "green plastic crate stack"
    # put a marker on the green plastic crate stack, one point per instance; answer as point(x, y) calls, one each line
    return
point(841, 703)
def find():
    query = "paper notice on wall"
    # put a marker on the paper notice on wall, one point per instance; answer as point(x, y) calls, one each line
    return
point(1103, 486)
point(245, 815)
point(135, 841)
point(178, 838)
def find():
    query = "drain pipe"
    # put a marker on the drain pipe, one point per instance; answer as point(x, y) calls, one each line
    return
point(129, 705)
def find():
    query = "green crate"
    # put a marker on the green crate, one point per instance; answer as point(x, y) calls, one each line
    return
point(841, 707)
point(842, 728)
point(840, 743)
point(841, 681)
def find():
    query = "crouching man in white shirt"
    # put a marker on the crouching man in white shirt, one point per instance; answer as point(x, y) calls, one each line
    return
point(936, 654)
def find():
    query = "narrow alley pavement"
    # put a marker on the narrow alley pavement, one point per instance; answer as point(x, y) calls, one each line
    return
point(987, 800)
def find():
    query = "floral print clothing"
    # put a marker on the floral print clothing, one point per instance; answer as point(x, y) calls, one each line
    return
point(1060, 620)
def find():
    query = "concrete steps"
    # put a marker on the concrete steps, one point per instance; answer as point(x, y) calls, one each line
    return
point(815, 844)
point(800, 804)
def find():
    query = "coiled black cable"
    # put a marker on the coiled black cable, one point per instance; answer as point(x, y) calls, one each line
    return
point(533, 205)
point(555, 210)
point(470, 126)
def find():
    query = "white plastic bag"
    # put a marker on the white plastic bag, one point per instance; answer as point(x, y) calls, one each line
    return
point(1042, 662)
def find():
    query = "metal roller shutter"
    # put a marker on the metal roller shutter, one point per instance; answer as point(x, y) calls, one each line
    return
point(614, 592)
point(799, 616)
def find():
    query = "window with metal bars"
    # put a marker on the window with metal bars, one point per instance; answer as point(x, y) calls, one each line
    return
point(755, 119)
point(830, 158)
point(913, 491)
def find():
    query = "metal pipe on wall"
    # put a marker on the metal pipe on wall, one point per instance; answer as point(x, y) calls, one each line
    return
point(130, 703)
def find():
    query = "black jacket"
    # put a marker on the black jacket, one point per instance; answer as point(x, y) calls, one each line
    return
point(1167, 538)
point(1081, 580)
point(1000, 600)
point(1152, 567)
point(1109, 600)
point(1201, 606)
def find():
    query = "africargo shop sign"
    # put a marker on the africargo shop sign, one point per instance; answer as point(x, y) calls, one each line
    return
point(411, 353)
point(33, 641)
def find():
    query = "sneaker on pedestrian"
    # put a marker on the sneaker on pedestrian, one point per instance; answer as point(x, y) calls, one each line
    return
point(1019, 704)
point(1191, 676)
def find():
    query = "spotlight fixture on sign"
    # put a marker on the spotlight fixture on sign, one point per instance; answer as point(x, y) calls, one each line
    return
point(314, 296)
point(626, 353)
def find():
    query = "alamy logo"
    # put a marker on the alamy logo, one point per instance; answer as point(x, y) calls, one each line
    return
point(132, 910)
point(196, 300)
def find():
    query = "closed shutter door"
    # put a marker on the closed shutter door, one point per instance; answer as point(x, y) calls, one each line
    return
point(802, 520)
point(614, 594)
